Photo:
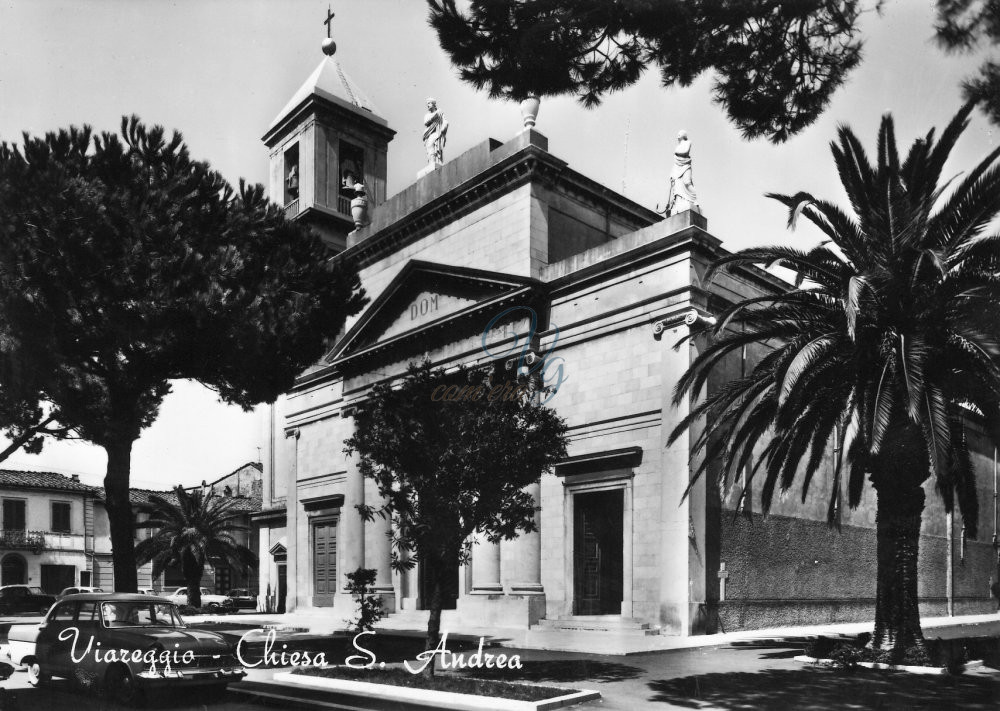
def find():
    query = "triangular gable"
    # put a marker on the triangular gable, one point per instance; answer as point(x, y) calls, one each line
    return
point(424, 295)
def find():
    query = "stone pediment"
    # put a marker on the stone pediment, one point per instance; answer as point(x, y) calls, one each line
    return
point(425, 296)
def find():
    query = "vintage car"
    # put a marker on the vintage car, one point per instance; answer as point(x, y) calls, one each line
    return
point(127, 644)
point(19, 649)
point(24, 598)
point(208, 598)
point(243, 599)
point(76, 590)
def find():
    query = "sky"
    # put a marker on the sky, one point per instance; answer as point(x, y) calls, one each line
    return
point(219, 71)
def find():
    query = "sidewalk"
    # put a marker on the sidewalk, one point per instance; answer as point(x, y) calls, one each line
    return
point(735, 672)
point(609, 643)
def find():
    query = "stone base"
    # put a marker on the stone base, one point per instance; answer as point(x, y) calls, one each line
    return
point(501, 610)
point(426, 170)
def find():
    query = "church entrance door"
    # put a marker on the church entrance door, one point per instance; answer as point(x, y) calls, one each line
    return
point(598, 542)
point(324, 562)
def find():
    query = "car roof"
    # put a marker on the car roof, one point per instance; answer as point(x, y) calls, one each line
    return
point(113, 597)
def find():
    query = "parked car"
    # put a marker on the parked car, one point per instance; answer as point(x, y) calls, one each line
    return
point(160, 649)
point(243, 598)
point(78, 589)
point(208, 599)
point(148, 591)
point(24, 598)
point(19, 649)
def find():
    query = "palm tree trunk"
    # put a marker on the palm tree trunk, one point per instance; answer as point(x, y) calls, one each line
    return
point(897, 612)
point(120, 515)
point(192, 572)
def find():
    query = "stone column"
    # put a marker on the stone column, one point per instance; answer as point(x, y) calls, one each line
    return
point(351, 547)
point(521, 559)
point(486, 567)
point(378, 549)
point(296, 586)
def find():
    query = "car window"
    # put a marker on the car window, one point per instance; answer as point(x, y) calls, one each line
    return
point(87, 612)
point(65, 611)
point(206, 591)
point(140, 614)
point(16, 592)
point(35, 591)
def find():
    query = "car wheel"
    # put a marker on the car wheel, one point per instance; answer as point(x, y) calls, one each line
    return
point(36, 677)
point(213, 606)
point(120, 686)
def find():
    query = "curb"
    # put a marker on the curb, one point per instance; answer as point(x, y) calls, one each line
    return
point(431, 699)
point(928, 671)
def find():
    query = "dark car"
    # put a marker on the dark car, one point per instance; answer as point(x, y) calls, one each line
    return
point(244, 599)
point(159, 649)
point(24, 598)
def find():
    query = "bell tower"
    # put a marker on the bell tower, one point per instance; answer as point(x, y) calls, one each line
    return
point(325, 141)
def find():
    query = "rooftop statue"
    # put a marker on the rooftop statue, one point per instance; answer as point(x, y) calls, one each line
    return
point(435, 133)
point(682, 194)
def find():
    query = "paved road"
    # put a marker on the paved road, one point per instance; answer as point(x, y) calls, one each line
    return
point(740, 677)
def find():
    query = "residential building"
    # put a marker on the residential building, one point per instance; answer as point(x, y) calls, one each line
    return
point(47, 537)
point(56, 534)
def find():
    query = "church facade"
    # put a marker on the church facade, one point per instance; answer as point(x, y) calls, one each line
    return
point(507, 244)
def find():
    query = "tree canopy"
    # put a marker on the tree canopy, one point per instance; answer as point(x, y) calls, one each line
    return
point(776, 63)
point(963, 26)
point(124, 265)
point(887, 346)
point(451, 455)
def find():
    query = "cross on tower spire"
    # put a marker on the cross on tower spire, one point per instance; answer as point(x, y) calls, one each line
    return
point(328, 20)
point(329, 46)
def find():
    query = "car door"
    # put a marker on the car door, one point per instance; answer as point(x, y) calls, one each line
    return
point(53, 652)
point(17, 599)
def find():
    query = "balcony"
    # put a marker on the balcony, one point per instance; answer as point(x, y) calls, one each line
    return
point(22, 540)
point(292, 209)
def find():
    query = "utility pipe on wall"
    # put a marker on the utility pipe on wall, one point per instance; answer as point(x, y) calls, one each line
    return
point(950, 579)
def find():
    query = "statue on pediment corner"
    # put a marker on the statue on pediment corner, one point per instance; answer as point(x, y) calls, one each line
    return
point(682, 194)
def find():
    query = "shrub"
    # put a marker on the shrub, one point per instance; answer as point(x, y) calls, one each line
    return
point(819, 648)
point(360, 584)
point(846, 657)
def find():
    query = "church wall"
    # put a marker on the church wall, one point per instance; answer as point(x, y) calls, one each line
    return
point(815, 573)
point(496, 236)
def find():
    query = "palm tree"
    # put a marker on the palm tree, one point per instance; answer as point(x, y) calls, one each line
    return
point(192, 529)
point(887, 344)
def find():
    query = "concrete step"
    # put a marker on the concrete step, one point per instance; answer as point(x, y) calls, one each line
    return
point(597, 623)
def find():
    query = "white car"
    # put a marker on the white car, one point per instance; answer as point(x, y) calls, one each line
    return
point(20, 647)
point(78, 589)
point(208, 599)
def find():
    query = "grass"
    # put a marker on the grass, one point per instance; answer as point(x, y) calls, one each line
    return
point(441, 682)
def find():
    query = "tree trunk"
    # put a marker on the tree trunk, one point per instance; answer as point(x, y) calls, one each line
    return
point(194, 592)
point(899, 470)
point(434, 621)
point(897, 612)
point(120, 515)
point(192, 572)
